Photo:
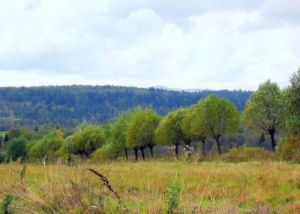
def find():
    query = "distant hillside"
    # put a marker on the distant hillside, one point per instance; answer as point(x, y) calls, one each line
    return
point(70, 105)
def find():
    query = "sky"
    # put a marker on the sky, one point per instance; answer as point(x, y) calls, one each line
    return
point(190, 44)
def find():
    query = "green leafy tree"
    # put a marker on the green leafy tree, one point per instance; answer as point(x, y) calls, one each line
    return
point(27, 134)
point(219, 117)
point(17, 149)
point(13, 133)
point(108, 151)
point(292, 104)
point(194, 125)
point(264, 111)
point(47, 147)
point(141, 129)
point(118, 133)
point(115, 133)
point(86, 140)
point(170, 130)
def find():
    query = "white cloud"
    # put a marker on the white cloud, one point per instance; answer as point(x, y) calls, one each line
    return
point(236, 44)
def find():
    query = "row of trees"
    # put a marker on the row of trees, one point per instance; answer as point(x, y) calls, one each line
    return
point(268, 111)
point(137, 129)
point(143, 128)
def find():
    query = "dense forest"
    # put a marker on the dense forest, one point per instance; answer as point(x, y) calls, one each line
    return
point(70, 105)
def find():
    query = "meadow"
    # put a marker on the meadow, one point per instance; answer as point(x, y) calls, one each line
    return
point(152, 186)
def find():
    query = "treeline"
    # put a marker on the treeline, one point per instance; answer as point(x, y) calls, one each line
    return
point(71, 105)
point(270, 113)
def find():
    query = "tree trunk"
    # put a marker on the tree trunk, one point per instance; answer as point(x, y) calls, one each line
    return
point(218, 144)
point(142, 151)
point(126, 153)
point(273, 142)
point(203, 147)
point(151, 150)
point(136, 153)
point(176, 151)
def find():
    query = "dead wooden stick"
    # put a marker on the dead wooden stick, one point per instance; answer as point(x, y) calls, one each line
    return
point(105, 182)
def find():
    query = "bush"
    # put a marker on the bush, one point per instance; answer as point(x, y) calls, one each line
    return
point(246, 154)
point(85, 141)
point(2, 158)
point(172, 197)
point(17, 149)
point(6, 206)
point(46, 147)
point(109, 151)
point(289, 149)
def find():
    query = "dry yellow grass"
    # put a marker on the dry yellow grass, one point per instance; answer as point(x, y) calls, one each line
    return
point(217, 187)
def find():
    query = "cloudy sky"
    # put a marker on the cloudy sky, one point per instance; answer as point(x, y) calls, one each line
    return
point(215, 44)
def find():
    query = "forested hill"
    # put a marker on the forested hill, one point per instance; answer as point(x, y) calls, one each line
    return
point(70, 105)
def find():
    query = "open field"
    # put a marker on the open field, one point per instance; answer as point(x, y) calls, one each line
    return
point(216, 187)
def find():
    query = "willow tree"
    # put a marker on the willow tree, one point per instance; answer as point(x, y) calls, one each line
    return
point(141, 129)
point(194, 125)
point(86, 140)
point(292, 104)
point(219, 117)
point(264, 111)
point(118, 132)
point(170, 131)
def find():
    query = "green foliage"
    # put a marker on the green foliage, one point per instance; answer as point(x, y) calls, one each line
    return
point(292, 104)
point(141, 128)
point(219, 115)
point(118, 133)
point(216, 117)
point(246, 154)
point(85, 141)
point(47, 146)
point(264, 110)
point(194, 122)
point(109, 151)
point(115, 133)
point(2, 158)
point(17, 149)
point(22, 172)
point(170, 130)
point(289, 149)
point(6, 207)
point(5, 137)
point(68, 105)
point(1, 141)
point(13, 133)
point(27, 134)
point(172, 197)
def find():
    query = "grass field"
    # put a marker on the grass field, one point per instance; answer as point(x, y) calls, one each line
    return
point(147, 187)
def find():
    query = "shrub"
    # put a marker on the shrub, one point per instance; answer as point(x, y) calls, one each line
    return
point(289, 149)
point(6, 207)
point(46, 147)
point(85, 141)
point(110, 151)
point(246, 154)
point(17, 149)
point(172, 197)
point(2, 158)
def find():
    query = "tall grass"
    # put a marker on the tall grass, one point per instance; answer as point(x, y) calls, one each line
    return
point(144, 187)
